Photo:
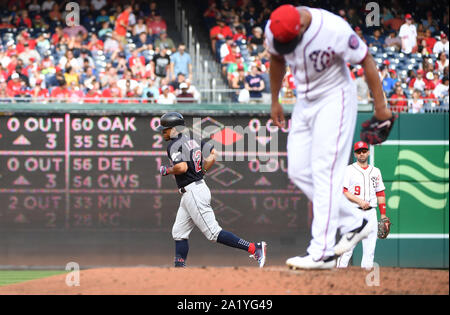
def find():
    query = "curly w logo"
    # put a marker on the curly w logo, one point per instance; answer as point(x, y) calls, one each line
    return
point(430, 181)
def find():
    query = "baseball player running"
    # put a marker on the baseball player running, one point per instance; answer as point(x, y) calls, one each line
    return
point(317, 44)
point(363, 185)
point(191, 160)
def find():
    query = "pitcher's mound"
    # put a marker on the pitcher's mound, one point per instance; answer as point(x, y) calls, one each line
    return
point(241, 281)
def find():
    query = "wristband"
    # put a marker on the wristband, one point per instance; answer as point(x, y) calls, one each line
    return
point(382, 207)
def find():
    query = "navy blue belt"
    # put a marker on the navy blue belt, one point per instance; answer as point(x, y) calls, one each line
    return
point(183, 190)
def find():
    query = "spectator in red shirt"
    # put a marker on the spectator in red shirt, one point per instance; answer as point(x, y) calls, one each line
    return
point(14, 86)
point(3, 72)
point(394, 23)
point(398, 102)
point(39, 92)
point(23, 39)
point(59, 37)
point(60, 93)
point(219, 32)
point(428, 42)
point(157, 25)
point(210, 14)
point(429, 98)
point(95, 44)
point(23, 20)
point(55, 15)
point(435, 81)
point(240, 34)
point(112, 92)
point(120, 31)
point(419, 82)
point(93, 95)
point(76, 94)
point(137, 64)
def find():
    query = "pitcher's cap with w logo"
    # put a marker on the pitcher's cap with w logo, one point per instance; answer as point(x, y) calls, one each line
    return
point(360, 145)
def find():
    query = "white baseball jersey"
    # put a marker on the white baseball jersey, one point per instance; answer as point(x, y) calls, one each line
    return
point(408, 33)
point(364, 183)
point(319, 62)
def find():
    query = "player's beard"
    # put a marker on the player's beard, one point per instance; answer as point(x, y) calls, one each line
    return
point(363, 161)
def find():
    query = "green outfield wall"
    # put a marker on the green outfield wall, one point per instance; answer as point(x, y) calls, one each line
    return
point(110, 225)
point(415, 166)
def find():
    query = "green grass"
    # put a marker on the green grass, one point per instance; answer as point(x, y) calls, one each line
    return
point(16, 276)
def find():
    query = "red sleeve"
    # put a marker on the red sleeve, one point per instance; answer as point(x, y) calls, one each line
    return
point(381, 194)
point(214, 31)
point(106, 93)
point(228, 32)
point(345, 189)
point(411, 83)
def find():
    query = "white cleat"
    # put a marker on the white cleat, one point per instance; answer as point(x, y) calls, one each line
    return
point(350, 239)
point(307, 262)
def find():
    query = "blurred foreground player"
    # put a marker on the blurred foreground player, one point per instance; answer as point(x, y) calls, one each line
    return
point(317, 45)
point(191, 160)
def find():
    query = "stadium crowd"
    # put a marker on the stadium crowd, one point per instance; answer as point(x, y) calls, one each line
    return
point(411, 49)
point(122, 52)
point(115, 53)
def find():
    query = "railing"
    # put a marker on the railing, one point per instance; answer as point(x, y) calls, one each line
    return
point(204, 72)
point(223, 96)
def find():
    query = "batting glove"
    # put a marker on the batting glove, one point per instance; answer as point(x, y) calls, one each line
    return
point(163, 170)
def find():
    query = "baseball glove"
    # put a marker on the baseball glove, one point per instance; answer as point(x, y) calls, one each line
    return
point(384, 227)
point(376, 131)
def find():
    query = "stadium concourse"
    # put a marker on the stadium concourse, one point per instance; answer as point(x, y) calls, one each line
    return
point(122, 53)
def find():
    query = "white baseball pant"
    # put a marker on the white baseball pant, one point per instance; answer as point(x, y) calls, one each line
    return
point(368, 243)
point(319, 146)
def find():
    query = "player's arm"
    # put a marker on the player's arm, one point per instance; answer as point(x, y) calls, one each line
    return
point(360, 202)
point(178, 158)
point(277, 73)
point(381, 198)
point(209, 161)
point(375, 86)
point(177, 169)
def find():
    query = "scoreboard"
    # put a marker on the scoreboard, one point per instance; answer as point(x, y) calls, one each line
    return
point(93, 172)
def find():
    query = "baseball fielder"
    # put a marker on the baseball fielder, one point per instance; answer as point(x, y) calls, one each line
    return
point(191, 160)
point(363, 185)
point(317, 44)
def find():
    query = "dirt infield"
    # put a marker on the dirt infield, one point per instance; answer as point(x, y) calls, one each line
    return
point(239, 281)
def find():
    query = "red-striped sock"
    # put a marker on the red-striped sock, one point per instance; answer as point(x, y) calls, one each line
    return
point(251, 248)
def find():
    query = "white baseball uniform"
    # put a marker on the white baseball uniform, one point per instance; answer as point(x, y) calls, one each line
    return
point(408, 33)
point(323, 123)
point(365, 184)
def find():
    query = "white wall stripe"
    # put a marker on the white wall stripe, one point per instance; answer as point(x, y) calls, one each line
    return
point(416, 142)
point(417, 236)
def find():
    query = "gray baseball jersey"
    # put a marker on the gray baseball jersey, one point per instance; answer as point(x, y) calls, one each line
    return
point(195, 205)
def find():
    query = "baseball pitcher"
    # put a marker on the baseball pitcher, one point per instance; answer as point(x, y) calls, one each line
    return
point(317, 45)
point(363, 186)
point(190, 161)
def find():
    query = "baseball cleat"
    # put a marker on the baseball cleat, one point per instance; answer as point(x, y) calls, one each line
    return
point(260, 253)
point(350, 239)
point(307, 262)
point(180, 263)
